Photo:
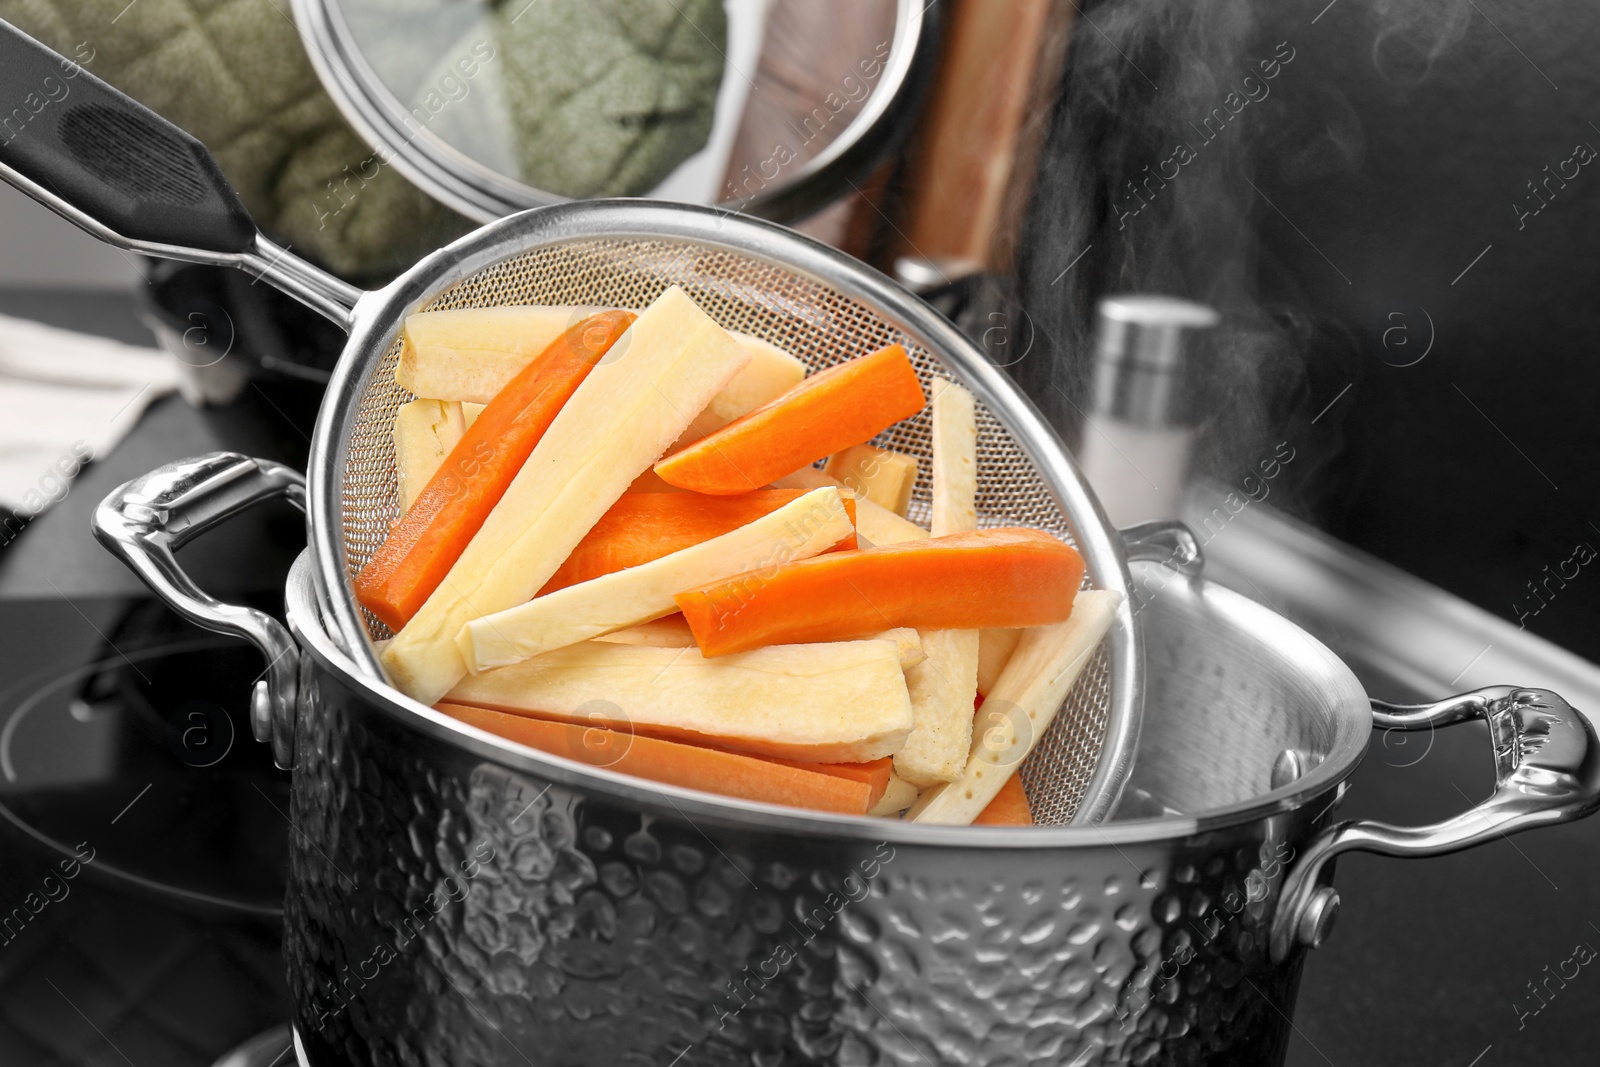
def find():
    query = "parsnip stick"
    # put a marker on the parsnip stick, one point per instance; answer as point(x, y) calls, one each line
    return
point(666, 367)
point(875, 525)
point(882, 475)
point(840, 702)
point(994, 651)
point(424, 433)
point(1025, 700)
point(799, 530)
point(900, 795)
point(944, 686)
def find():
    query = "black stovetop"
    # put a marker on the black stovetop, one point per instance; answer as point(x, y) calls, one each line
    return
point(122, 730)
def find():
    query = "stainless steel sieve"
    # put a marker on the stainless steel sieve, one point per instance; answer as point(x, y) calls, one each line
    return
point(128, 177)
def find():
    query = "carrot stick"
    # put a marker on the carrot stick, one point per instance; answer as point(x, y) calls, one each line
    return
point(796, 785)
point(875, 774)
point(831, 410)
point(641, 527)
point(428, 540)
point(1008, 808)
point(1010, 576)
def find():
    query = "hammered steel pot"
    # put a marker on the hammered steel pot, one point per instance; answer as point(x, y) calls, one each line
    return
point(454, 899)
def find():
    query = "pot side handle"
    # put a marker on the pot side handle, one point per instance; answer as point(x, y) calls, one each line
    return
point(145, 521)
point(1547, 770)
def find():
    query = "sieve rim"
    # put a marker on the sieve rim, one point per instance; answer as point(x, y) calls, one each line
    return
point(377, 315)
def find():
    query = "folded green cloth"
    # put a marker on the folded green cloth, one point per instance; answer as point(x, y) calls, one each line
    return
point(602, 97)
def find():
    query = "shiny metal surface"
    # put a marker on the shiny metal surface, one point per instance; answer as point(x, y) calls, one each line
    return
point(145, 521)
point(483, 194)
point(456, 898)
point(1547, 770)
point(1139, 364)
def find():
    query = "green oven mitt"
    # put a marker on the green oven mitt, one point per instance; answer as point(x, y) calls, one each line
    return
point(601, 96)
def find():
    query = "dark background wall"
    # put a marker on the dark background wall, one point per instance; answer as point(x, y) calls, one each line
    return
point(1358, 224)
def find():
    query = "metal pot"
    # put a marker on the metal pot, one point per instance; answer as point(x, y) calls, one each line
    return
point(456, 899)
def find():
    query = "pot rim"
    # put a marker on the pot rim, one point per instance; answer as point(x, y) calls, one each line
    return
point(378, 315)
point(729, 813)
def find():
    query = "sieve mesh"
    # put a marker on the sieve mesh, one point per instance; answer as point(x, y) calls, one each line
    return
point(816, 323)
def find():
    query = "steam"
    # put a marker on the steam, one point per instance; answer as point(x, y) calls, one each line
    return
point(1176, 122)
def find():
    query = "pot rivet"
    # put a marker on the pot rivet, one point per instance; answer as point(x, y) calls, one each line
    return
point(1290, 764)
point(1316, 921)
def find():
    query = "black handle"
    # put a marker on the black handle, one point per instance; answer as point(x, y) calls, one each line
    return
point(110, 157)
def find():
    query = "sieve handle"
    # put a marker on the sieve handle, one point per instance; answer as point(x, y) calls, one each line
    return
point(118, 170)
point(144, 522)
point(1547, 770)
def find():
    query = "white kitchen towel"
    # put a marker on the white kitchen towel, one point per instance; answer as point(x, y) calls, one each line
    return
point(69, 397)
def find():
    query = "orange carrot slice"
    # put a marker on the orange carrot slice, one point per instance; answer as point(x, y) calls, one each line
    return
point(425, 544)
point(641, 527)
point(1010, 576)
point(1008, 808)
point(797, 785)
point(829, 411)
point(875, 773)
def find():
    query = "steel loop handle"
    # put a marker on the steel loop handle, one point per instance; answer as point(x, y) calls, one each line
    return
point(1547, 770)
point(146, 520)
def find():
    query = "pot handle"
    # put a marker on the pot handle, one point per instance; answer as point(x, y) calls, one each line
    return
point(126, 175)
point(1547, 770)
point(145, 521)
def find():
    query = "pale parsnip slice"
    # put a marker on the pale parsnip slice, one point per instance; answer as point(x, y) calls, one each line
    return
point(800, 529)
point(770, 373)
point(882, 475)
point(945, 685)
point(994, 650)
point(840, 702)
point(670, 632)
point(471, 353)
point(875, 525)
point(899, 796)
point(424, 433)
point(1030, 691)
point(909, 642)
point(667, 366)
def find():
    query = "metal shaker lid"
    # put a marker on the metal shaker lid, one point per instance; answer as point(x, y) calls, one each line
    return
point(1140, 356)
point(495, 106)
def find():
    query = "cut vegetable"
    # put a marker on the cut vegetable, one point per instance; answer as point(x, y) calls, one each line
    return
point(907, 640)
point(471, 353)
point(882, 475)
point(1029, 693)
point(833, 409)
point(668, 632)
point(670, 362)
point(641, 527)
point(994, 651)
point(770, 373)
point(795, 785)
point(426, 543)
point(955, 459)
point(898, 795)
point(800, 529)
point(843, 702)
point(1008, 808)
point(424, 433)
point(875, 524)
point(1009, 576)
point(943, 687)
point(875, 775)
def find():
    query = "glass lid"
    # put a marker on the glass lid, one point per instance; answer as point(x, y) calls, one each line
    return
point(769, 106)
